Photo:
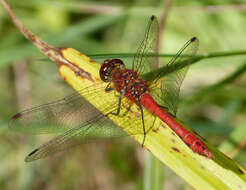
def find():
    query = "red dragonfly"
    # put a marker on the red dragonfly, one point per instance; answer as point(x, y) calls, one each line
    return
point(158, 96)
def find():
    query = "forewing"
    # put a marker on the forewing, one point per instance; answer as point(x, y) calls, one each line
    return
point(59, 116)
point(165, 90)
point(81, 120)
point(141, 62)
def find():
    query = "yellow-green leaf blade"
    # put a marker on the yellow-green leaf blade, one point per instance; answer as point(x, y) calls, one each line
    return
point(197, 170)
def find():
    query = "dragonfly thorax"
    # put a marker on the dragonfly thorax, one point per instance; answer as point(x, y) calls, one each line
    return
point(128, 83)
point(125, 81)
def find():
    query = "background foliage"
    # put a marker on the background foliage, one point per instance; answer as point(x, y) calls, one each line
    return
point(213, 106)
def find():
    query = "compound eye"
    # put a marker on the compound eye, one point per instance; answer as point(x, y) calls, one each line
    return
point(118, 63)
point(108, 66)
point(105, 71)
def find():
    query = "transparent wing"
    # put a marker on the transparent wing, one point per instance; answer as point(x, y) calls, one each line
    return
point(81, 121)
point(165, 90)
point(141, 63)
point(97, 128)
point(58, 116)
point(100, 127)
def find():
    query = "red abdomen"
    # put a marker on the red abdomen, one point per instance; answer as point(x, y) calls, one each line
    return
point(188, 137)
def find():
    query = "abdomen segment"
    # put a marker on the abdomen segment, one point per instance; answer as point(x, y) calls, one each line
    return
point(188, 137)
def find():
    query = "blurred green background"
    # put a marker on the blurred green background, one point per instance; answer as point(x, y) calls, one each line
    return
point(213, 96)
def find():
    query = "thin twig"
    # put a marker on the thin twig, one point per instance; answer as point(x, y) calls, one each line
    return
point(47, 49)
point(162, 26)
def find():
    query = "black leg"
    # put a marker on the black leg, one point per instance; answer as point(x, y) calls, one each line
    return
point(118, 108)
point(142, 116)
point(109, 88)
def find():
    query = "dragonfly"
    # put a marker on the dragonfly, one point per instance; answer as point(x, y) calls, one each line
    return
point(156, 97)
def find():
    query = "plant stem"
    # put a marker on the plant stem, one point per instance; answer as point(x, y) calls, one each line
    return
point(198, 56)
point(153, 173)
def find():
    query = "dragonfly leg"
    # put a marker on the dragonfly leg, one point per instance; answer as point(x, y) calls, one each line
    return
point(118, 107)
point(153, 124)
point(142, 117)
point(109, 88)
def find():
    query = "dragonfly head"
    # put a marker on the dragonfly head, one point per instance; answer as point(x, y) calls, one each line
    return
point(108, 66)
